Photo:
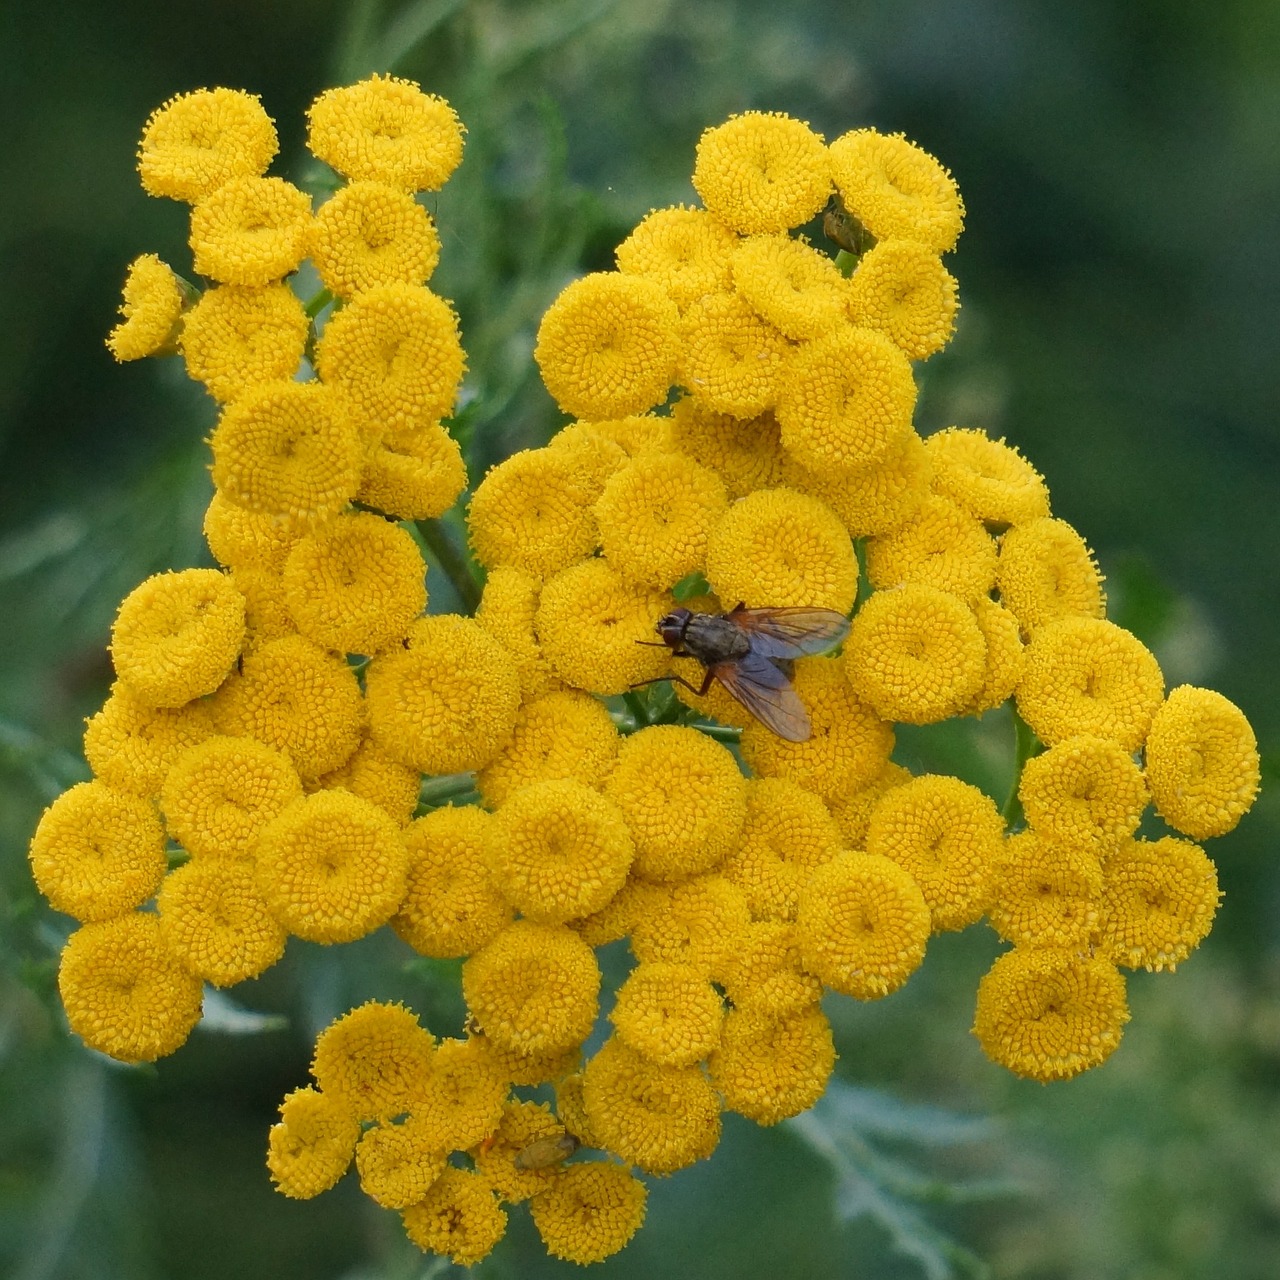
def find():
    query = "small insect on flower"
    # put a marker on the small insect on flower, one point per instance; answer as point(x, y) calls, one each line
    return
point(546, 1152)
point(742, 650)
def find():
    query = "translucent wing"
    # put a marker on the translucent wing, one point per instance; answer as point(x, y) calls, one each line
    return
point(791, 633)
point(767, 694)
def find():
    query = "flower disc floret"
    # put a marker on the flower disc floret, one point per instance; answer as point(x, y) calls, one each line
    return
point(698, 922)
point(251, 231)
point(312, 1145)
point(461, 1099)
point(589, 1211)
point(374, 776)
point(852, 811)
point(151, 305)
point(746, 453)
point(526, 1127)
point(670, 1013)
point(1005, 655)
point(790, 285)
point(902, 290)
point(508, 607)
point(730, 358)
point(1047, 894)
point(398, 1163)
point(940, 546)
point(413, 475)
point(687, 252)
point(370, 233)
point(1046, 572)
point(988, 478)
point(766, 971)
point(459, 1218)
point(242, 539)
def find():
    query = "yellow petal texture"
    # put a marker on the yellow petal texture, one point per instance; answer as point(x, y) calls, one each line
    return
point(686, 252)
point(312, 1145)
point(852, 810)
point(244, 539)
point(374, 776)
point(1046, 572)
point(766, 971)
point(1047, 894)
point(415, 474)
point(746, 453)
point(398, 1163)
point(508, 607)
point(988, 478)
point(589, 1212)
point(939, 546)
point(698, 922)
point(251, 231)
point(730, 359)
point(902, 290)
point(1005, 658)
point(460, 1099)
point(459, 1218)
point(502, 1161)
point(151, 306)
point(670, 1013)
point(790, 285)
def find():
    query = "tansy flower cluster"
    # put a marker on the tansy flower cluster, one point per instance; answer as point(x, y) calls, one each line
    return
point(742, 405)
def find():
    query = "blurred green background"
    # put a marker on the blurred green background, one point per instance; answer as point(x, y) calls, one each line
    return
point(1120, 281)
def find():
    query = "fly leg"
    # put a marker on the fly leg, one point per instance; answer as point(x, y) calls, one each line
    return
point(706, 683)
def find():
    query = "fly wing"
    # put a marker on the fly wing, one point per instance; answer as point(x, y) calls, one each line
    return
point(791, 633)
point(767, 694)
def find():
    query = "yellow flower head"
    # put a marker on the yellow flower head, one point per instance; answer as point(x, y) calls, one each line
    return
point(374, 776)
point(151, 305)
point(949, 836)
point(217, 923)
point(596, 454)
point(459, 1218)
point(698, 922)
point(1047, 572)
point(502, 1162)
point(589, 1211)
point(849, 745)
point(385, 129)
point(1047, 894)
point(1085, 792)
point(845, 400)
point(125, 993)
point(243, 539)
point(197, 141)
point(450, 907)
point(220, 794)
point(507, 610)
point(765, 971)
point(746, 453)
point(669, 1013)
point(236, 338)
point(294, 696)
point(620, 914)
point(1049, 1015)
point(1087, 675)
point(97, 853)
point(1202, 762)
point(852, 810)
point(559, 735)
point(534, 989)
point(332, 867)
point(370, 233)
point(730, 359)
point(265, 615)
point(287, 449)
point(902, 290)
point(896, 190)
point(571, 1110)
point(862, 925)
point(1158, 902)
point(448, 702)
point(530, 1069)
point(1005, 656)
point(916, 654)
point(414, 475)
point(355, 584)
point(988, 478)
point(395, 351)
point(940, 546)
point(772, 1066)
point(251, 231)
point(588, 622)
point(659, 1118)
point(398, 1163)
point(682, 796)
point(462, 1097)
point(636, 433)
point(607, 345)
point(312, 1145)
point(177, 635)
point(776, 548)
point(762, 171)
point(790, 285)
point(687, 252)
point(788, 834)
point(655, 515)
point(373, 1060)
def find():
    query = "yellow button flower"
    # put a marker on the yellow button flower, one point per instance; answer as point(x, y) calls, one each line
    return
point(790, 285)
point(730, 359)
point(459, 1218)
point(619, 915)
point(460, 1100)
point(251, 231)
point(243, 539)
point(312, 1145)
point(414, 475)
point(265, 616)
point(988, 478)
point(507, 610)
point(765, 971)
point(1005, 657)
point(902, 290)
point(151, 305)
point(539, 1067)
point(852, 810)
point(373, 775)
point(939, 546)
point(398, 1164)
point(572, 1111)
point(1047, 572)
point(687, 252)
point(637, 433)
point(698, 922)
point(594, 451)
point(504, 1161)
point(746, 453)
point(1047, 894)
point(669, 1013)
point(589, 1211)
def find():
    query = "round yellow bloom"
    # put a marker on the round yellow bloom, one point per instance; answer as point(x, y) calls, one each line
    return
point(669, 1013)
point(697, 922)
point(862, 925)
point(589, 1211)
point(460, 1101)
point(373, 1059)
point(588, 622)
point(849, 745)
point(151, 305)
point(687, 252)
point(852, 810)
point(769, 1067)
point(916, 654)
point(243, 539)
point(251, 231)
point(988, 478)
point(385, 129)
point(177, 635)
point(896, 190)
point(1005, 657)
point(374, 776)
point(414, 475)
point(448, 702)
point(1087, 675)
point(1046, 572)
point(940, 546)
point(507, 610)
point(776, 547)
point(619, 915)
point(217, 923)
point(398, 1163)
point(949, 836)
point(730, 359)
point(450, 907)
point(503, 1162)
point(790, 285)
point(235, 338)
point(394, 350)
point(535, 988)
point(745, 453)
point(1047, 894)
point(459, 1218)
point(659, 1118)
point(531, 1069)
point(596, 454)
point(265, 616)
point(197, 141)
point(1085, 792)
point(764, 972)
point(97, 853)
point(1202, 762)
point(1049, 1015)
point(902, 290)
point(683, 798)
point(292, 695)
point(845, 400)
point(312, 1145)
point(572, 1111)
point(125, 993)
point(1158, 902)
point(762, 171)
point(607, 345)
point(332, 867)
point(287, 449)
point(637, 433)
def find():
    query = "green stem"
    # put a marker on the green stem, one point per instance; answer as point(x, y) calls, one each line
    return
point(453, 563)
point(637, 708)
point(318, 303)
point(720, 732)
point(436, 792)
point(846, 262)
point(1026, 745)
